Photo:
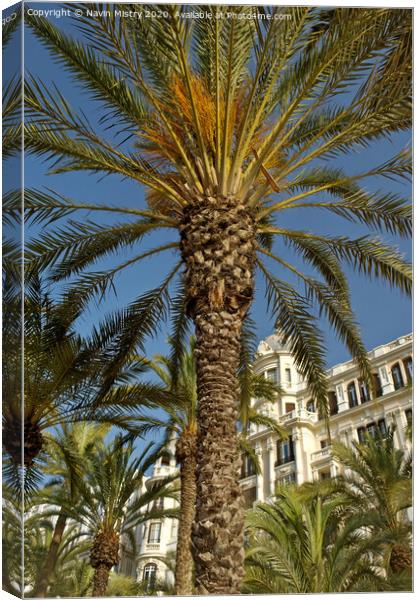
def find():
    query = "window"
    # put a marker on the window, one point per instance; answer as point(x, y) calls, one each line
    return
point(289, 407)
point(361, 434)
point(333, 403)
point(310, 406)
point(352, 396)
point(165, 459)
point(149, 575)
point(286, 479)
point(272, 375)
point(372, 429)
point(288, 375)
point(285, 451)
point(377, 385)
point(364, 391)
point(408, 413)
point(382, 427)
point(154, 533)
point(408, 367)
point(158, 504)
point(324, 444)
point(249, 496)
point(396, 374)
point(248, 467)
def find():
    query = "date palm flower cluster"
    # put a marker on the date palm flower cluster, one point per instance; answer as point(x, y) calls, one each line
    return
point(226, 124)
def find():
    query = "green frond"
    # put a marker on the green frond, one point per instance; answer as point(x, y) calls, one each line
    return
point(47, 207)
point(80, 243)
point(141, 319)
point(297, 327)
point(10, 26)
point(105, 82)
point(367, 255)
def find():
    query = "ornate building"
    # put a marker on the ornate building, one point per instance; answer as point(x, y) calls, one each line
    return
point(305, 455)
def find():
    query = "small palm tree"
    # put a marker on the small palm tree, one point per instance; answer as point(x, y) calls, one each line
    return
point(73, 580)
point(68, 459)
point(302, 544)
point(227, 122)
point(113, 502)
point(181, 379)
point(380, 481)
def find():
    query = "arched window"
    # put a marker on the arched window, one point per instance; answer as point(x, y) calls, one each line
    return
point(248, 466)
point(352, 395)
point(165, 459)
point(408, 367)
point(365, 393)
point(333, 403)
point(377, 384)
point(149, 575)
point(396, 373)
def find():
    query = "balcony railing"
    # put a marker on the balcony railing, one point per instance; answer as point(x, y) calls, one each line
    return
point(285, 463)
point(152, 546)
point(323, 453)
point(299, 413)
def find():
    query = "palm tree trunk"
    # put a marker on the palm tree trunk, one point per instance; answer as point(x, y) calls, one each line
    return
point(48, 568)
point(186, 455)
point(100, 580)
point(218, 248)
point(104, 554)
point(400, 558)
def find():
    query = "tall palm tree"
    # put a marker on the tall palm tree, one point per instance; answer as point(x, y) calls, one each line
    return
point(112, 503)
point(380, 481)
point(182, 413)
point(301, 544)
point(226, 122)
point(68, 458)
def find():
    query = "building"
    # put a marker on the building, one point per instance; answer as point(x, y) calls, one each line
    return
point(305, 455)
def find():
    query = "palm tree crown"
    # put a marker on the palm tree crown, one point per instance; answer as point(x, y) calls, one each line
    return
point(227, 123)
point(238, 111)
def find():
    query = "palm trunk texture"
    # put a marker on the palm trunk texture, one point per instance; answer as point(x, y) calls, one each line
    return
point(400, 558)
point(103, 556)
point(186, 455)
point(48, 568)
point(218, 249)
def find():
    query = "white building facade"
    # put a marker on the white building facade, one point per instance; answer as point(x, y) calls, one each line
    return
point(305, 455)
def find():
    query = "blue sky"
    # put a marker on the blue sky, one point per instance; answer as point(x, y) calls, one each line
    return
point(383, 314)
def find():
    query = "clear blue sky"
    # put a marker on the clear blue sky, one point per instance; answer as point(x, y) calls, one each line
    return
point(383, 314)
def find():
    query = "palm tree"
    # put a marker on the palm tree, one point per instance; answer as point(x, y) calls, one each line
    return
point(35, 530)
point(68, 458)
point(63, 377)
point(226, 122)
point(113, 502)
point(181, 379)
point(380, 481)
point(302, 544)
point(74, 581)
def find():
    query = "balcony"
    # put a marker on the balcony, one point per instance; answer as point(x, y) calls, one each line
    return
point(159, 473)
point(324, 453)
point(248, 479)
point(301, 414)
point(152, 546)
point(285, 467)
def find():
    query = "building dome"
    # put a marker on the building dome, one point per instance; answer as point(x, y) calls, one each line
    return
point(273, 343)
